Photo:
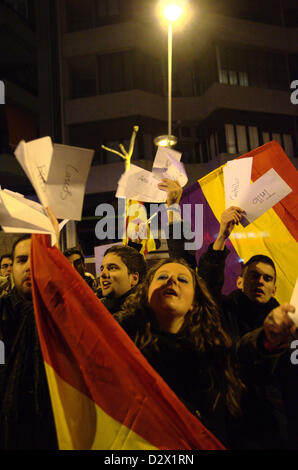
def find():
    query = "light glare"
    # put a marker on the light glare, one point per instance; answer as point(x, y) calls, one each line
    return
point(172, 12)
point(165, 141)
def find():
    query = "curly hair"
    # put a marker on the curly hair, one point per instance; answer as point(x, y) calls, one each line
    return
point(202, 328)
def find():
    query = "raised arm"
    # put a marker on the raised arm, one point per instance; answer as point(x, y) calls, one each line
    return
point(212, 263)
point(229, 218)
point(176, 246)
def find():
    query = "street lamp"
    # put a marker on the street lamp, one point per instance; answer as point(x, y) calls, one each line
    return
point(172, 12)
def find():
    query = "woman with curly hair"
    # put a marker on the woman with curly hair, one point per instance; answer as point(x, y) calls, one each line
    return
point(176, 324)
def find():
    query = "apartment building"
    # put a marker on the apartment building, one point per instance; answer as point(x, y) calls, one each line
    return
point(102, 68)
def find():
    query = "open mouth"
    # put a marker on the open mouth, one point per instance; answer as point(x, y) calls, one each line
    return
point(169, 292)
point(105, 285)
point(259, 292)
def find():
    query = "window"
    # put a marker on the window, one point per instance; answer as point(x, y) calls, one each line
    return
point(233, 77)
point(230, 138)
point(212, 146)
point(243, 79)
point(276, 137)
point(252, 68)
point(253, 137)
point(288, 145)
point(241, 139)
point(223, 77)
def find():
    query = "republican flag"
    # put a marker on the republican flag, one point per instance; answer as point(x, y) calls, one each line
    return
point(274, 234)
point(104, 393)
point(137, 214)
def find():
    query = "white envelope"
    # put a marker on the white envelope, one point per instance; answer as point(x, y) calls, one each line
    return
point(141, 185)
point(167, 165)
point(18, 215)
point(35, 158)
point(67, 179)
point(237, 178)
point(58, 174)
point(263, 194)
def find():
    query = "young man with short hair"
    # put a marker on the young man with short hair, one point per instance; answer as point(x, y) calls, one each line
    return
point(121, 270)
point(26, 418)
point(253, 311)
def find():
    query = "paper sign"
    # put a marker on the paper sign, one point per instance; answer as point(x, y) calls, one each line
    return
point(67, 179)
point(263, 194)
point(35, 158)
point(294, 301)
point(141, 185)
point(58, 174)
point(237, 177)
point(167, 165)
point(18, 215)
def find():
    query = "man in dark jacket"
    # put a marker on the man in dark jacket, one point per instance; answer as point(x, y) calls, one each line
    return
point(26, 419)
point(252, 308)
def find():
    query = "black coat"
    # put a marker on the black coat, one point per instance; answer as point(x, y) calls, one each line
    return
point(270, 404)
point(26, 418)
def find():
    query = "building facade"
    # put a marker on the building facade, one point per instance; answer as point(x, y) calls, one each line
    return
point(103, 69)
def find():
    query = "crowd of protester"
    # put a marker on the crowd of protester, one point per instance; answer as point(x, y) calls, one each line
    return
point(227, 358)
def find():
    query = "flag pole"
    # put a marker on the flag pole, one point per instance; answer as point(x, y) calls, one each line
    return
point(127, 157)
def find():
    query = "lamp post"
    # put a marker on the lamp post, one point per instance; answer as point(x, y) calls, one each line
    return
point(171, 12)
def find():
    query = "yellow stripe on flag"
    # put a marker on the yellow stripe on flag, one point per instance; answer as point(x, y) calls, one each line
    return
point(267, 236)
point(138, 211)
point(85, 426)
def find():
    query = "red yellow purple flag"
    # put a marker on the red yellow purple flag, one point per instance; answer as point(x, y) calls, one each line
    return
point(274, 234)
point(104, 393)
point(137, 214)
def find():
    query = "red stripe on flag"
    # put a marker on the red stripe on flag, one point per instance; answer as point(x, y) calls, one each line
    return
point(272, 155)
point(87, 348)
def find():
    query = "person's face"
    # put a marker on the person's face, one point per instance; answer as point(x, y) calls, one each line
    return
point(6, 267)
point(258, 282)
point(21, 268)
point(77, 263)
point(171, 292)
point(115, 280)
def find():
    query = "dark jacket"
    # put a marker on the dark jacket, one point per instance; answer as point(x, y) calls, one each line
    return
point(26, 418)
point(114, 304)
point(189, 374)
point(265, 402)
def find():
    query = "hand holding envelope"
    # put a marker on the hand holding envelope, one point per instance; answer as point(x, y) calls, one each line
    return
point(257, 198)
point(142, 185)
point(58, 174)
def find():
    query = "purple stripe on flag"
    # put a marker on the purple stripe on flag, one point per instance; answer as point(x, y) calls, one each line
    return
point(194, 195)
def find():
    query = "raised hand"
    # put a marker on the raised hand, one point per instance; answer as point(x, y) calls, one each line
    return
point(279, 327)
point(229, 218)
point(173, 189)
